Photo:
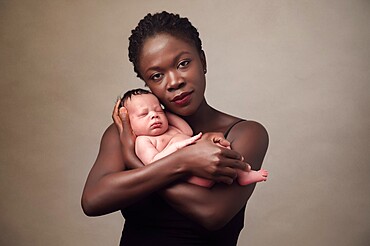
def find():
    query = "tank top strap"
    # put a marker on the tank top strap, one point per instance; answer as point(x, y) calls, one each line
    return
point(231, 127)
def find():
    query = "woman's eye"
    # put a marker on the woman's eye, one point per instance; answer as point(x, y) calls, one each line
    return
point(184, 63)
point(156, 76)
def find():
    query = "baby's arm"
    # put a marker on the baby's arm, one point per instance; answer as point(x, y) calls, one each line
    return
point(147, 152)
point(145, 149)
point(176, 146)
point(179, 123)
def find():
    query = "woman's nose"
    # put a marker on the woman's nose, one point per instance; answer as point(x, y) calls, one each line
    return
point(175, 81)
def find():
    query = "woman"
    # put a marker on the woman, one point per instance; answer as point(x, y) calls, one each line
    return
point(159, 208)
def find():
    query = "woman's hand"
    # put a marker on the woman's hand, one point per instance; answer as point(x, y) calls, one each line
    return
point(211, 207)
point(206, 159)
point(126, 135)
point(217, 138)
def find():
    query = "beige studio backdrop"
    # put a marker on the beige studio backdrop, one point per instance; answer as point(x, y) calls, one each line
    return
point(301, 68)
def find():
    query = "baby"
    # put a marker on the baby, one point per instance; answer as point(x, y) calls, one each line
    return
point(159, 133)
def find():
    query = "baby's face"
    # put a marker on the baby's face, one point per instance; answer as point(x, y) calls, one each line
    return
point(146, 115)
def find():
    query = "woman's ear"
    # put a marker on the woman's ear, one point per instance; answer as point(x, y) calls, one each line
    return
point(203, 60)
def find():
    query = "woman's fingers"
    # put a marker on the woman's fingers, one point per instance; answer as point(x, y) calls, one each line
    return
point(213, 162)
point(225, 180)
point(231, 154)
point(116, 118)
point(223, 142)
point(226, 175)
point(116, 108)
point(228, 153)
point(228, 172)
point(123, 115)
point(217, 138)
point(122, 122)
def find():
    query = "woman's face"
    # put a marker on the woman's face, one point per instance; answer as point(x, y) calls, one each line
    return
point(174, 71)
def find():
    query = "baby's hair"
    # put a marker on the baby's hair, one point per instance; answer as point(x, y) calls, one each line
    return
point(164, 22)
point(130, 93)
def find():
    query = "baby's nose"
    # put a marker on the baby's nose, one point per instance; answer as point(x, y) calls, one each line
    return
point(154, 115)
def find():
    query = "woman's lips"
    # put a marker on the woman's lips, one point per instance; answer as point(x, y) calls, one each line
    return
point(182, 99)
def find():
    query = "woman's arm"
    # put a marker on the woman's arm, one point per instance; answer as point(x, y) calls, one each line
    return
point(212, 207)
point(111, 187)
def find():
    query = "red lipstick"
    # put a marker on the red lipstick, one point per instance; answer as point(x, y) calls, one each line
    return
point(182, 98)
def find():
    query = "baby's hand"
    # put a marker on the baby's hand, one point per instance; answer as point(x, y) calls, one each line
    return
point(186, 142)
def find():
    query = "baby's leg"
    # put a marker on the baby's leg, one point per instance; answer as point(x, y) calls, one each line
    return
point(201, 182)
point(245, 178)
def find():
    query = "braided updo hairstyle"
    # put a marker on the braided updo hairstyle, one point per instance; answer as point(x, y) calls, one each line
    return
point(164, 22)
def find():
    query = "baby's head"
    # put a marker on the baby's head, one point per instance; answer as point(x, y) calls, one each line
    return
point(128, 94)
point(145, 113)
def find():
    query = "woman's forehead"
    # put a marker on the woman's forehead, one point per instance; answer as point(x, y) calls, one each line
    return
point(163, 46)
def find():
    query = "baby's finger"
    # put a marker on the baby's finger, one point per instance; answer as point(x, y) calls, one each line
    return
point(192, 139)
point(198, 136)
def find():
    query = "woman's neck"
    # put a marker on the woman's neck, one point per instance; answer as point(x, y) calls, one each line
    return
point(204, 119)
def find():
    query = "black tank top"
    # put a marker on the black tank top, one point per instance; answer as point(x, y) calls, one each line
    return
point(153, 222)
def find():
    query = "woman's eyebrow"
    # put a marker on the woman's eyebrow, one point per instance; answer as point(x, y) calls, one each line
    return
point(182, 53)
point(156, 67)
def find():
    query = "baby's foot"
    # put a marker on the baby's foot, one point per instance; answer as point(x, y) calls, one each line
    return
point(245, 178)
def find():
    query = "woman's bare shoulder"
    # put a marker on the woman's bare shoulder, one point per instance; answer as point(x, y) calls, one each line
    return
point(110, 133)
point(251, 139)
point(110, 143)
point(250, 128)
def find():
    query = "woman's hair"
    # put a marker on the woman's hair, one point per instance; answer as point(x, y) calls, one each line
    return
point(163, 22)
